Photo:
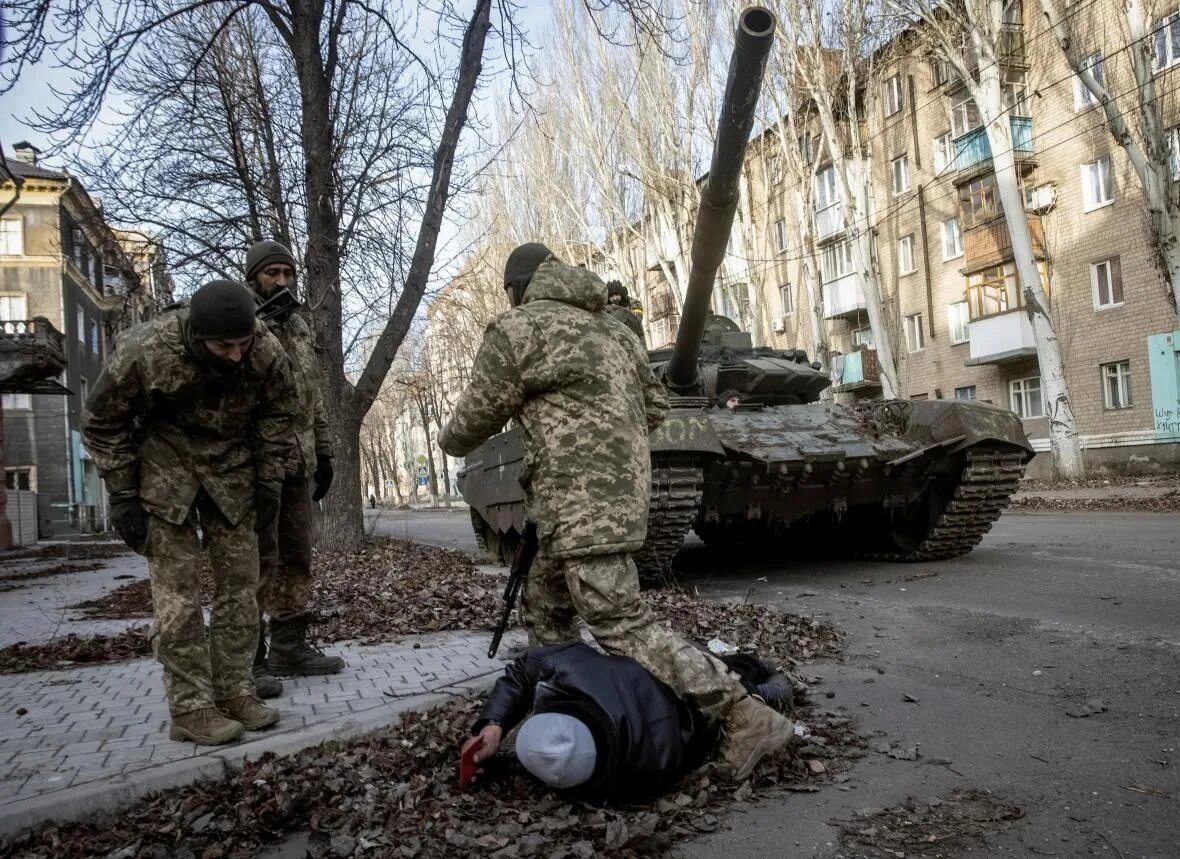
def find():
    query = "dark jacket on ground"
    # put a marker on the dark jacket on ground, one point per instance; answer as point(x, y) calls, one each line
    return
point(646, 737)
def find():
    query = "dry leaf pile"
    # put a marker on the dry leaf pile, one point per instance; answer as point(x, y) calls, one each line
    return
point(395, 793)
point(1169, 502)
point(943, 828)
point(72, 651)
point(12, 581)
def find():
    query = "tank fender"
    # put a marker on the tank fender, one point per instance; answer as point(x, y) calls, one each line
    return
point(686, 431)
point(959, 424)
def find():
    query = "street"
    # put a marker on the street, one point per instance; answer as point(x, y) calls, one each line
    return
point(1045, 667)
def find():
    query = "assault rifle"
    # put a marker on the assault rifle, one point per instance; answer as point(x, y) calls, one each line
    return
point(526, 552)
point(281, 304)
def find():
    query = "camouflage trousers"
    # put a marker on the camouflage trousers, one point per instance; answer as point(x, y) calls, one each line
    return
point(284, 549)
point(200, 669)
point(604, 591)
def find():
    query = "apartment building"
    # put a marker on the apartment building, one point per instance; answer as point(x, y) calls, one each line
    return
point(943, 255)
point(60, 260)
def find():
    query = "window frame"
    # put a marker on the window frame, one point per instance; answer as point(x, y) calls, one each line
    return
point(1089, 202)
point(1083, 99)
point(1020, 388)
point(16, 402)
point(1113, 280)
point(944, 151)
point(953, 322)
point(965, 388)
point(80, 323)
point(788, 305)
point(905, 245)
point(958, 234)
point(11, 299)
point(964, 105)
point(1122, 386)
point(839, 251)
point(1160, 39)
point(1173, 143)
point(859, 338)
point(19, 233)
point(914, 330)
point(894, 99)
point(903, 162)
point(781, 239)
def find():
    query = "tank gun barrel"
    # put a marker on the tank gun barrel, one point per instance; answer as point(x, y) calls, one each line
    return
point(747, 65)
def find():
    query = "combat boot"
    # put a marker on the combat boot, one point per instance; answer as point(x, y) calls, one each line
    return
point(250, 711)
point(292, 654)
point(266, 685)
point(205, 727)
point(752, 731)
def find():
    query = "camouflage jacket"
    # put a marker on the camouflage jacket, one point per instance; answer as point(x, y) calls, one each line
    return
point(311, 423)
point(166, 425)
point(581, 388)
point(628, 318)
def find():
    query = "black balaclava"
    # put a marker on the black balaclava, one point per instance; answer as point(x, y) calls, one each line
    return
point(219, 310)
point(521, 266)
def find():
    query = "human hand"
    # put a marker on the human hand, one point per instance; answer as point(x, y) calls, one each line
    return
point(130, 521)
point(486, 743)
point(323, 476)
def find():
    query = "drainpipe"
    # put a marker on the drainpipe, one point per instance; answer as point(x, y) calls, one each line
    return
point(71, 336)
point(926, 261)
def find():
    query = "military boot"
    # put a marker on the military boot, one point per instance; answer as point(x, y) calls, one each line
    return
point(265, 683)
point(250, 711)
point(205, 727)
point(752, 731)
point(291, 652)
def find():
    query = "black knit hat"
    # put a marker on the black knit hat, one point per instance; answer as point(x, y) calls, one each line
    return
point(521, 266)
point(221, 310)
point(262, 254)
point(615, 287)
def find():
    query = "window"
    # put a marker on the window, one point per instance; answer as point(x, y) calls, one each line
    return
point(1174, 152)
point(940, 70)
point(786, 298)
point(922, 396)
point(807, 147)
point(1026, 399)
point(944, 151)
point(964, 115)
point(979, 202)
point(1082, 97)
point(1097, 187)
point(864, 337)
point(95, 345)
point(12, 238)
point(958, 322)
point(825, 189)
point(81, 317)
point(780, 234)
point(965, 393)
point(18, 478)
point(1116, 385)
point(1106, 279)
point(13, 308)
point(952, 239)
point(1011, 13)
point(915, 340)
point(905, 255)
point(12, 402)
point(1014, 93)
point(893, 99)
point(836, 261)
point(901, 174)
point(997, 290)
point(1167, 40)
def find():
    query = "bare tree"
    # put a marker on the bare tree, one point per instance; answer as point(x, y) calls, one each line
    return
point(971, 36)
point(1145, 139)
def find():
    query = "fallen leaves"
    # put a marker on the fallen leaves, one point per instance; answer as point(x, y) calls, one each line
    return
point(395, 793)
point(71, 651)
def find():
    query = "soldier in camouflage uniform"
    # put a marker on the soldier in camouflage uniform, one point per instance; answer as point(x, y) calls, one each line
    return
point(582, 390)
point(284, 583)
point(618, 306)
point(190, 424)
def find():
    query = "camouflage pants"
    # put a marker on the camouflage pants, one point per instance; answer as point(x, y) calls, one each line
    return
point(200, 669)
point(604, 591)
point(284, 549)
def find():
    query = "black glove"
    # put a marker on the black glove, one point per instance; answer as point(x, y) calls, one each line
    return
point(130, 521)
point(323, 476)
point(268, 496)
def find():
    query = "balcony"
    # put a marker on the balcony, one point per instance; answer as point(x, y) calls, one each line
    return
point(855, 371)
point(990, 244)
point(972, 149)
point(843, 297)
point(1001, 338)
point(32, 352)
point(829, 221)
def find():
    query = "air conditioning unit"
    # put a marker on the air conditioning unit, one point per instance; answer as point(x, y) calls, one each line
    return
point(779, 325)
point(1040, 199)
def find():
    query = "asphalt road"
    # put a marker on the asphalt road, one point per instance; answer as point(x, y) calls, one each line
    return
point(998, 648)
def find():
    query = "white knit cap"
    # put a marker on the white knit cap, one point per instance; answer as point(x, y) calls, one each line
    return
point(557, 749)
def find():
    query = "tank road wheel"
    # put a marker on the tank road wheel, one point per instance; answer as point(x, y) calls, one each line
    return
point(486, 541)
point(507, 544)
point(675, 501)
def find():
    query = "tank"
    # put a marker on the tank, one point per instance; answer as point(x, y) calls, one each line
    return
point(899, 480)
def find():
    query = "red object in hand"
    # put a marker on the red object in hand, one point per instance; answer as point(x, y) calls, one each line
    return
point(467, 765)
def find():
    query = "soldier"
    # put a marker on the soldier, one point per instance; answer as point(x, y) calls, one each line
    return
point(284, 582)
point(618, 305)
point(190, 424)
point(586, 399)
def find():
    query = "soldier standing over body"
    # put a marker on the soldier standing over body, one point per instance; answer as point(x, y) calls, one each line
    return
point(585, 397)
point(284, 582)
point(190, 426)
point(618, 305)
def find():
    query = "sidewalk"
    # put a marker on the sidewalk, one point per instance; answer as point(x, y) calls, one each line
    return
point(93, 738)
point(1154, 493)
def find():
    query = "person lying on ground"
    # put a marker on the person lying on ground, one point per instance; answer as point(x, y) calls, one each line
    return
point(603, 727)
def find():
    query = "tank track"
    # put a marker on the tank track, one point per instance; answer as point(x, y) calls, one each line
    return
point(990, 476)
point(676, 488)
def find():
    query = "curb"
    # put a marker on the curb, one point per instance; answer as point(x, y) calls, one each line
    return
point(110, 794)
